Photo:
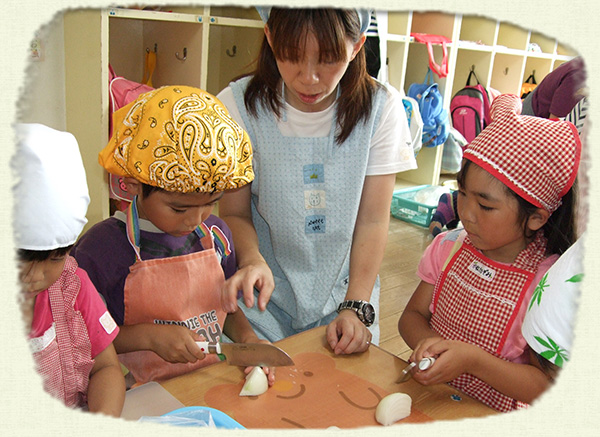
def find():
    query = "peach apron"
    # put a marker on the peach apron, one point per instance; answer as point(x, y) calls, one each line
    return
point(63, 355)
point(476, 300)
point(181, 290)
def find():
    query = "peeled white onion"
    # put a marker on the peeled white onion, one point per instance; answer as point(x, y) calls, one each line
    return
point(256, 383)
point(392, 408)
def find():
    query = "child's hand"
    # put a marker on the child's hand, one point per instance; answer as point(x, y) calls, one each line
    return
point(452, 360)
point(346, 334)
point(422, 349)
point(257, 275)
point(269, 371)
point(177, 344)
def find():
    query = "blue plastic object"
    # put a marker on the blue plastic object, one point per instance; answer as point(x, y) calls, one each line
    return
point(220, 419)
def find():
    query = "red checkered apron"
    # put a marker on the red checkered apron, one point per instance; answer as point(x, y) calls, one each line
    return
point(65, 364)
point(182, 290)
point(476, 300)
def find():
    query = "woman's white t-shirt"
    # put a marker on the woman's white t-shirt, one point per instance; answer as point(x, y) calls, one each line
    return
point(391, 148)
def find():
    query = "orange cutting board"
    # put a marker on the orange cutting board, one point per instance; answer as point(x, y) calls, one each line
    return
point(310, 394)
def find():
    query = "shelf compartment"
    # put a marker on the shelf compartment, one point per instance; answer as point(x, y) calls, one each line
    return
point(418, 60)
point(540, 66)
point(478, 30)
point(396, 68)
point(154, 15)
point(398, 23)
point(512, 37)
point(465, 61)
point(129, 40)
point(546, 44)
point(233, 52)
point(238, 12)
point(507, 73)
point(435, 23)
point(565, 50)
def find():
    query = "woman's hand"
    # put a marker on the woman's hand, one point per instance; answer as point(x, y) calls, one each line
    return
point(235, 210)
point(346, 334)
point(256, 275)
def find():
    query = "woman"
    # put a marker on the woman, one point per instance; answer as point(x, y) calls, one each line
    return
point(311, 229)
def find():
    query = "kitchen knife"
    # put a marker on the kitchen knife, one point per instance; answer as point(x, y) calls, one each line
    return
point(424, 364)
point(248, 354)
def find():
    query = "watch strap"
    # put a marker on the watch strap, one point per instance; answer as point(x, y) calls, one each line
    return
point(358, 307)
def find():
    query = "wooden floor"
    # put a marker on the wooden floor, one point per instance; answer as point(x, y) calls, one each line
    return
point(406, 243)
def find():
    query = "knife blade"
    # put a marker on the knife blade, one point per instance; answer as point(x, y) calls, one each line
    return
point(248, 354)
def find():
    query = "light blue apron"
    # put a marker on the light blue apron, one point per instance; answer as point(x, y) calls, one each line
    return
point(305, 199)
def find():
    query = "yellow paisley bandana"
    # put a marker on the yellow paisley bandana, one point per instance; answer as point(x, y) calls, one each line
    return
point(179, 138)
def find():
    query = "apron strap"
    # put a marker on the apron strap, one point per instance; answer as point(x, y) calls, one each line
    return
point(133, 228)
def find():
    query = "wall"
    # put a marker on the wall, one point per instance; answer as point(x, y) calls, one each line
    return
point(42, 92)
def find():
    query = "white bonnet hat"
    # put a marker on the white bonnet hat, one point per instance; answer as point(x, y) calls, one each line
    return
point(549, 323)
point(50, 194)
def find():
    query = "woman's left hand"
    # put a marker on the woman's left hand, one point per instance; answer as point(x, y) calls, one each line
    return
point(346, 334)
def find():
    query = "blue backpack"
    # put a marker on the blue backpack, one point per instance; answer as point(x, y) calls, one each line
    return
point(436, 123)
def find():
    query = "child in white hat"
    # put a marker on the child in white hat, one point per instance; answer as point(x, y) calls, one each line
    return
point(70, 330)
point(516, 203)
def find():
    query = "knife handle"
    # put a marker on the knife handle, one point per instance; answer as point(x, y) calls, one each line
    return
point(209, 348)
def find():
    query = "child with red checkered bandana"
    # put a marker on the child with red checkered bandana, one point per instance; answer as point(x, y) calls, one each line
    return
point(516, 203)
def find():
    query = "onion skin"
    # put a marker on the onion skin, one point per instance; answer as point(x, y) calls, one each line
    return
point(256, 383)
point(392, 408)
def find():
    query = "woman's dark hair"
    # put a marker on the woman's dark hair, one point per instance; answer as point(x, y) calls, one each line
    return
point(27, 255)
point(560, 229)
point(289, 29)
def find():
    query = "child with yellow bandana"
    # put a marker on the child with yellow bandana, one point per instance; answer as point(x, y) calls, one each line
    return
point(160, 264)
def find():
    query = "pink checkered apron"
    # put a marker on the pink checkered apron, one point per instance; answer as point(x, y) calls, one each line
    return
point(65, 364)
point(476, 300)
point(182, 290)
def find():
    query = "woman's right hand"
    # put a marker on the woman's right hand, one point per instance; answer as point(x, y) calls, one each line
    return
point(254, 275)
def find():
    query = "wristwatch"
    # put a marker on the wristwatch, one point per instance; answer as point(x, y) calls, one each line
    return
point(363, 309)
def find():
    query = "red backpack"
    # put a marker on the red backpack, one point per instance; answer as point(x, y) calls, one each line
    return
point(470, 109)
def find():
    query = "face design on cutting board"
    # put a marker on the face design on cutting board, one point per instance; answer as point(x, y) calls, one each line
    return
point(310, 394)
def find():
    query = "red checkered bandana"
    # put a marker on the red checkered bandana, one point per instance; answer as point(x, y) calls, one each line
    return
point(535, 157)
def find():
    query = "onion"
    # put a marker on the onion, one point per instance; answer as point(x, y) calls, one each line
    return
point(256, 383)
point(392, 408)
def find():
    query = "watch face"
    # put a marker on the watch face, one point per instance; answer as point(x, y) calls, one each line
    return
point(369, 313)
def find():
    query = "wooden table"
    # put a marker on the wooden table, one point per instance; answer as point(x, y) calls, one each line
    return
point(321, 389)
